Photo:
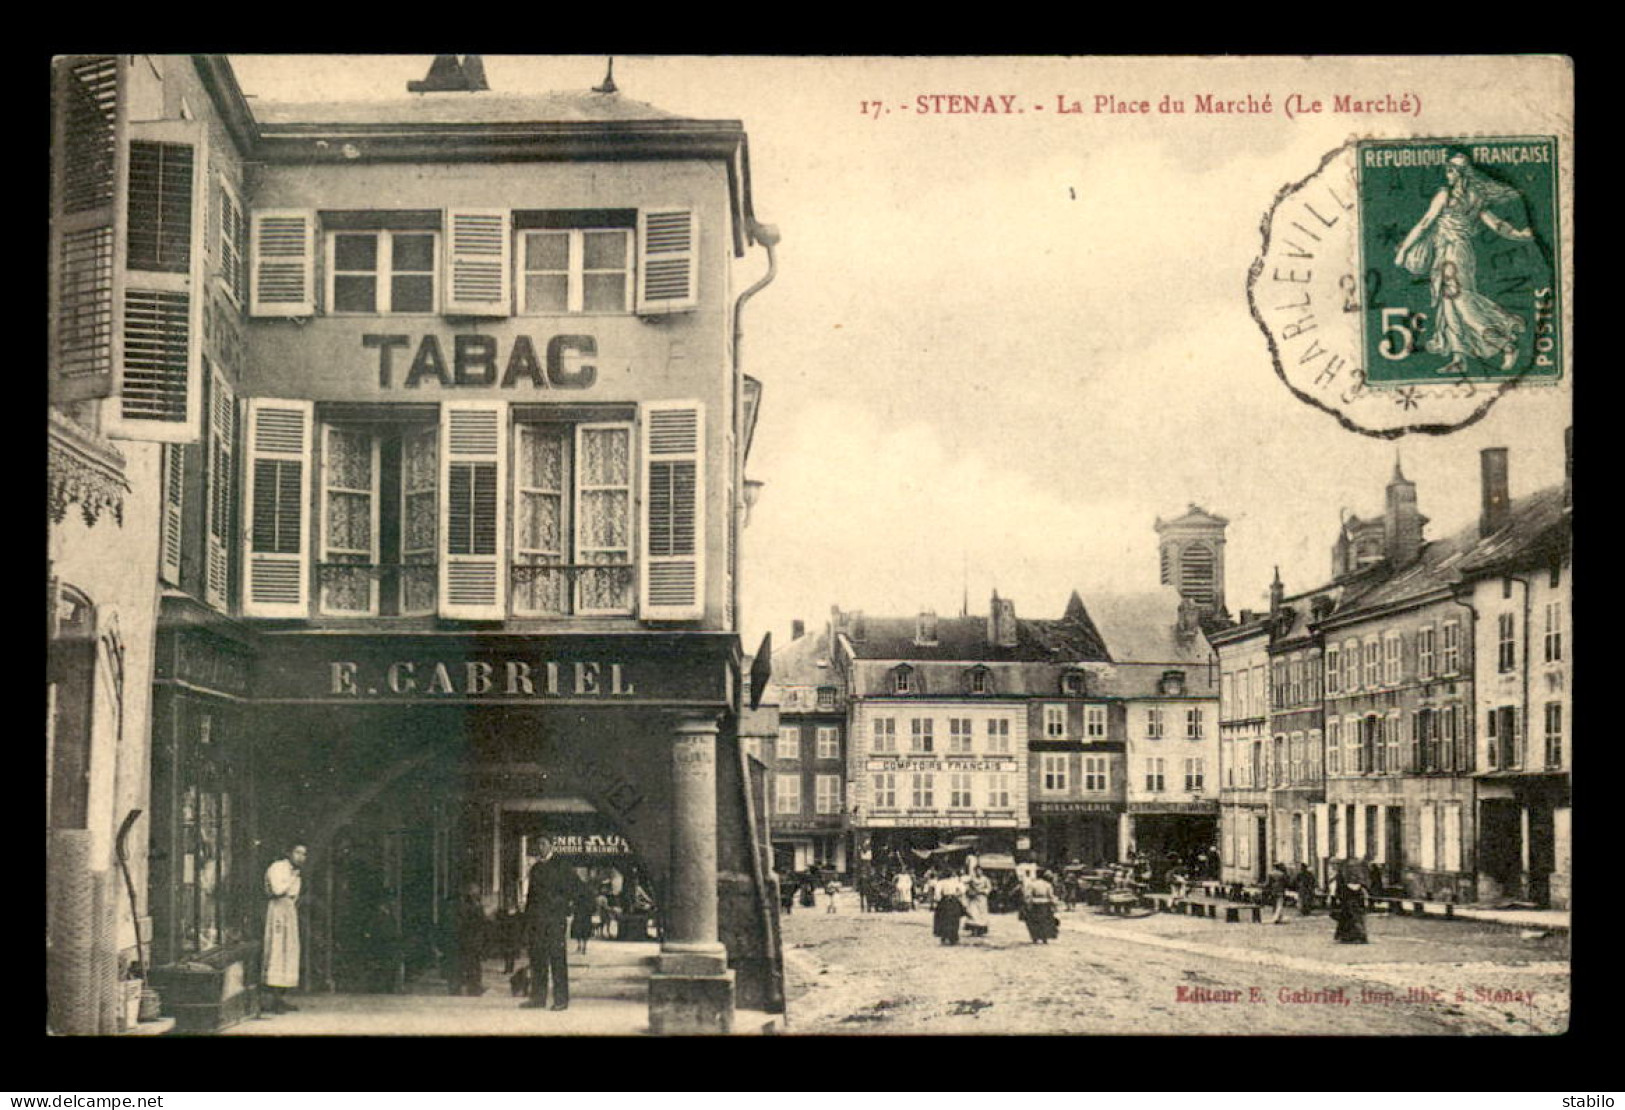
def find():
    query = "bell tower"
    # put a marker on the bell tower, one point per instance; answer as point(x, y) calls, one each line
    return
point(1191, 550)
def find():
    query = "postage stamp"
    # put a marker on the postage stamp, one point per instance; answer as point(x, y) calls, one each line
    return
point(1405, 285)
point(1456, 261)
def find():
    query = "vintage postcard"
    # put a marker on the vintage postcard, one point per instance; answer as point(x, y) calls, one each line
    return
point(651, 545)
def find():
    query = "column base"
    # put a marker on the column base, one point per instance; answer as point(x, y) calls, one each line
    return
point(692, 958)
point(691, 1004)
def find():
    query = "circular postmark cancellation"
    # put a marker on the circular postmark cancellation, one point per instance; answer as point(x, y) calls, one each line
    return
point(1407, 284)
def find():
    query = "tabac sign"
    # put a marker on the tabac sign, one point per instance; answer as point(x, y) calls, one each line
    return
point(523, 670)
point(481, 361)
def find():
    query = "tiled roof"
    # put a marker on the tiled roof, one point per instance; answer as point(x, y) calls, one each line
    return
point(1143, 680)
point(582, 106)
point(965, 639)
point(796, 663)
point(1139, 628)
point(1532, 525)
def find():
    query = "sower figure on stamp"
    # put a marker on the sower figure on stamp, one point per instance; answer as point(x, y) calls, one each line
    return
point(280, 970)
point(554, 889)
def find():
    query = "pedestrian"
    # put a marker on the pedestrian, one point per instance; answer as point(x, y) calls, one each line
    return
point(510, 935)
point(808, 885)
point(554, 890)
point(829, 896)
point(1275, 891)
point(279, 969)
point(949, 908)
point(787, 892)
point(581, 919)
point(977, 888)
point(468, 943)
point(1038, 909)
point(1349, 912)
point(903, 890)
point(1304, 883)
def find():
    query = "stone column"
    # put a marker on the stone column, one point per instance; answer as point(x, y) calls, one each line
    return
point(692, 989)
point(1125, 836)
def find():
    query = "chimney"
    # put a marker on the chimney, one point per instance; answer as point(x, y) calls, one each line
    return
point(1187, 621)
point(1497, 506)
point(798, 629)
point(1277, 591)
point(1401, 524)
point(1001, 622)
point(858, 629)
point(925, 627)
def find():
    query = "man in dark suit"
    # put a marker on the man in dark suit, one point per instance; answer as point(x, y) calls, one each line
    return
point(554, 889)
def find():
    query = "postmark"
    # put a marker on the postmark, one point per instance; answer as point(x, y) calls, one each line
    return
point(1405, 285)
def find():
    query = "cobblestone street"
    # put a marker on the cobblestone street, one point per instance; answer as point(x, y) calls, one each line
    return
point(852, 972)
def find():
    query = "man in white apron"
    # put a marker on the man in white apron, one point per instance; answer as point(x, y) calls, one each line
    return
point(280, 962)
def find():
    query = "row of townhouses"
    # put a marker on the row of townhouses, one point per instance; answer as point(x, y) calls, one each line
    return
point(396, 466)
point(1084, 738)
point(1412, 713)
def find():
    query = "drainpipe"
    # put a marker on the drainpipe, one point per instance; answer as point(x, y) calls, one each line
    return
point(768, 236)
point(1471, 863)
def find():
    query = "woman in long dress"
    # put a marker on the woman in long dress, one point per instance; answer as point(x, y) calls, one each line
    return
point(1465, 322)
point(949, 909)
point(1038, 909)
point(1349, 912)
point(280, 958)
point(977, 887)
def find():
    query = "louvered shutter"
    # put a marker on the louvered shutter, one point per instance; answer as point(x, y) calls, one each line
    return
point(673, 564)
point(276, 508)
point(84, 295)
point(284, 277)
point(218, 475)
point(160, 368)
point(478, 251)
point(174, 505)
point(668, 260)
point(473, 490)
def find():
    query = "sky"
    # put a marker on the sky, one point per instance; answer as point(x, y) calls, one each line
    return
point(1000, 346)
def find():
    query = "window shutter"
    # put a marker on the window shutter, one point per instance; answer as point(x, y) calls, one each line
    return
point(673, 579)
point(284, 275)
point(222, 449)
point(668, 260)
point(478, 251)
point(85, 302)
point(473, 562)
point(276, 526)
point(174, 504)
point(160, 368)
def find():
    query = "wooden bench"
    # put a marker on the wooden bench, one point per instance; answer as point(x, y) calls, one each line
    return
point(1121, 902)
point(1233, 914)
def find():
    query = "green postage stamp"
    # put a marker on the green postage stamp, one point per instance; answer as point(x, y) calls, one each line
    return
point(1457, 260)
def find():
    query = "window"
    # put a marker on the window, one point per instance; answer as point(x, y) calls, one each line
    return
point(573, 517)
point(921, 739)
point(1351, 666)
point(1509, 737)
point(1393, 645)
point(1193, 775)
point(1153, 723)
point(1154, 775)
point(959, 736)
point(885, 790)
point(1096, 773)
point(789, 747)
point(1425, 645)
point(1053, 770)
point(1054, 721)
point(1094, 721)
point(1256, 764)
point(1256, 701)
point(382, 272)
point(787, 794)
point(233, 244)
point(827, 794)
point(978, 683)
point(575, 270)
point(1278, 756)
point(1334, 664)
point(1373, 663)
point(1506, 655)
point(1554, 632)
point(1392, 736)
point(1554, 734)
point(1421, 745)
point(1278, 683)
point(1316, 756)
point(959, 791)
point(902, 681)
point(1072, 684)
point(998, 735)
point(829, 742)
point(1449, 725)
point(1294, 680)
point(826, 698)
point(1450, 659)
point(1193, 723)
point(923, 791)
point(160, 207)
point(1492, 742)
point(883, 734)
point(1312, 677)
point(1294, 768)
point(998, 791)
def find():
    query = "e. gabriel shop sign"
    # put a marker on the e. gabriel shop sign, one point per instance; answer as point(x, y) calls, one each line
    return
point(601, 671)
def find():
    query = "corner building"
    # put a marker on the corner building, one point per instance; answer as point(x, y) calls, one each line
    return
point(455, 547)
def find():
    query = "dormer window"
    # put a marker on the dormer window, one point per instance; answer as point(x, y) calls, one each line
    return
point(826, 697)
point(1172, 684)
point(978, 680)
point(1072, 684)
point(902, 680)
